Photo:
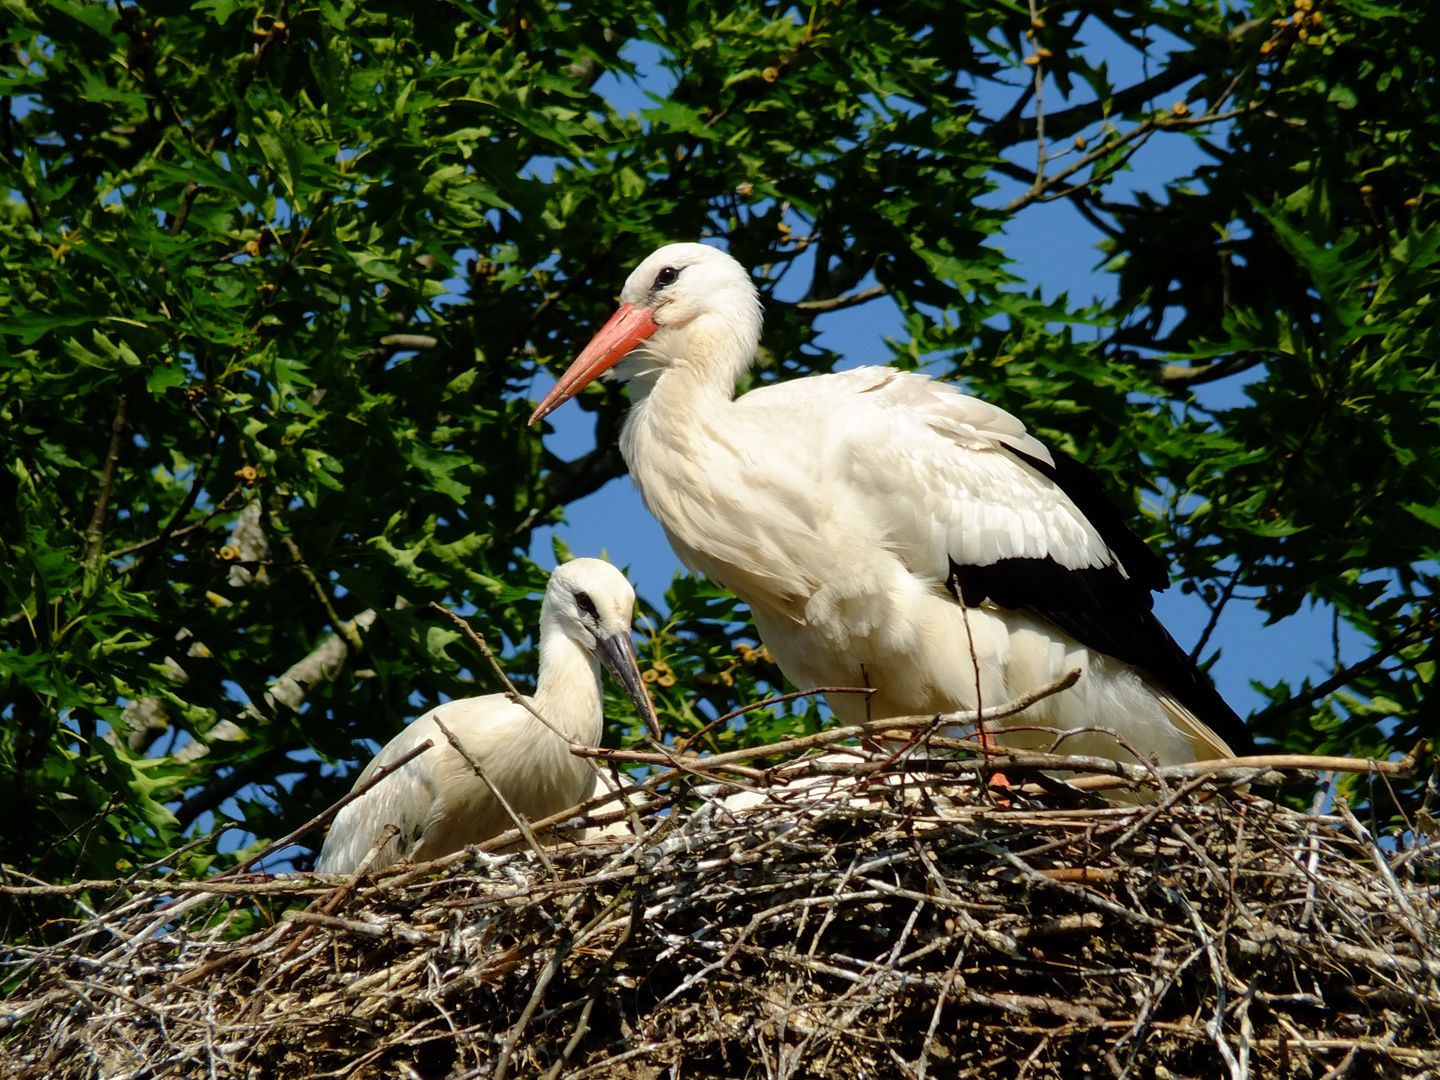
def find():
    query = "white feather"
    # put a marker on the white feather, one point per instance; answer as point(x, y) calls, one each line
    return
point(834, 505)
point(436, 801)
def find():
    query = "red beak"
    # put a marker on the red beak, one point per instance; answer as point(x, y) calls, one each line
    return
point(627, 328)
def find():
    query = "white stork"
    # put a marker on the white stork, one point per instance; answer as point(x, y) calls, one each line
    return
point(436, 800)
point(890, 531)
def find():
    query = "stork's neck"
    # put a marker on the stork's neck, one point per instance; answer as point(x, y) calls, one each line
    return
point(568, 692)
point(695, 365)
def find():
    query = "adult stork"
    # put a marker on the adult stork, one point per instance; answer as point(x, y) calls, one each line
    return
point(890, 531)
point(437, 802)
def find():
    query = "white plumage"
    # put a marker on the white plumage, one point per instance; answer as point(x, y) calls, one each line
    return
point(878, 523)
point(436, 800)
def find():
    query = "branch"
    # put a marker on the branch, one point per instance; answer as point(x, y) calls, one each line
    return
point(1183, 376)
point(322, 663)
point(325, 815)
point(95, 531)
point(1429, 627)
point(226, 121)
point(1038, 63)
point(581, 477)
point(690, 740)
point(1012, 128)
point(409, 341)
point(530, 318)
point(218, 508)
point(187, 504)
point(479, 770)
point(1217, 610)
point(840, 303)
point(870, 728)
point(220, 789)
point(478, 640)
point(346, 631)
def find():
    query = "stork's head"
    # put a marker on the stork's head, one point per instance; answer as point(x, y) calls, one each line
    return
point(591, 603)
point(686, 306)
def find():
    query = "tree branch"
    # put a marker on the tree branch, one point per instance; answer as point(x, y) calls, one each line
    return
point(218, 508)
point(345, 631)
point(1013, 128)
point(157, 546)
point(218, 790)
point(840, 303)
point(1430, 626)
point(360, 789)
point(1184, 375)
point(530, 318)
point(1217, 610)
point(581, 477)
point(227, 118)
point(95, 531)
point(1039, 65)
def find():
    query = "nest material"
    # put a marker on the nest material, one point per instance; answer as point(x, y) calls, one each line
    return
point(850, 922)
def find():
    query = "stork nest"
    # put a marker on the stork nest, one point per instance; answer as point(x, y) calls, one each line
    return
point(863, 918)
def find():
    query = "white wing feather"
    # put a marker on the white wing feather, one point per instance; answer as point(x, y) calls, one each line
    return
point(404, 799)
point(931, 465)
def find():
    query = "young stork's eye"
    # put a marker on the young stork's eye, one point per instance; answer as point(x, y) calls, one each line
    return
point(586, 604)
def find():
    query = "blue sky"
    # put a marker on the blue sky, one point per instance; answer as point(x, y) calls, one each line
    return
point(1050, 245)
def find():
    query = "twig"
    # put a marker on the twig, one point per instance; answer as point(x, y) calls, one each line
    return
point(1043, 189)
point(325, 815)
point(1015, 128)
point(1039, 96)
point(218, 508)
point(852, 731)
point(1429, 628)
point(1216, 610)
point(689, 740)
point(478, 640)
point(502, 1062)
point(95, 531)
point(346, 632)
point(479, 771)
point(157, 546)
point(1407, 916)
point(1183, 376)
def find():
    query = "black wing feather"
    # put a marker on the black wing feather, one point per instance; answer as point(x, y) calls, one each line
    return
point(1088, 494)
point(1102, 608)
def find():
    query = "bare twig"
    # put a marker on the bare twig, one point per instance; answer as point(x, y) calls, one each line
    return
point(95, 531)
point(690, 740)
point(155, 548)
point(346, 632)
point(219, 508)
point(325, 815)
point(478, 640)
point(479, 770)
point(1429, 627)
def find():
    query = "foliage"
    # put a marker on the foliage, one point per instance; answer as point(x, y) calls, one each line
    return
point(276, 283)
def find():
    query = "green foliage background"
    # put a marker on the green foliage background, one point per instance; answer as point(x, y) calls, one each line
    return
point(235, 292)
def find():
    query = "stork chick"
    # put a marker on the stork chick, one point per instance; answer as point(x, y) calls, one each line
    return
point(436, 800)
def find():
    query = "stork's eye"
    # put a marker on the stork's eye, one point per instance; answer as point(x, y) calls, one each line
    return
point(586, 604)
point(667, 276)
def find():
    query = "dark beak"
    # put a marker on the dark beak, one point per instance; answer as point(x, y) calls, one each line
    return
point(617, 652)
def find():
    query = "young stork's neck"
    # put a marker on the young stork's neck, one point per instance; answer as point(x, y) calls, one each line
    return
point(567, 691)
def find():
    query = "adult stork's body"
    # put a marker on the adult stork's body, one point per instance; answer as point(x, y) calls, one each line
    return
point(889, 531)
point(437, 802)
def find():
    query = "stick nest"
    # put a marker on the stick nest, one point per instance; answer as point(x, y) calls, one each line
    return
point(853, 922)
